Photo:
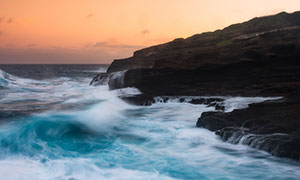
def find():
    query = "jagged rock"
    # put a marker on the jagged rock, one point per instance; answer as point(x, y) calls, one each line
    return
point(147, 100)
point(140, 100)
point(206, 101)
point(273, 126)
point(213, 121)
point(100, 79)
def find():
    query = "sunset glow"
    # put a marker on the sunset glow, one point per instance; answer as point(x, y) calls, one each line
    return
point(98, 31)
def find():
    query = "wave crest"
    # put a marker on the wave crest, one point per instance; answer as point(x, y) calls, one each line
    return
point(8, 80)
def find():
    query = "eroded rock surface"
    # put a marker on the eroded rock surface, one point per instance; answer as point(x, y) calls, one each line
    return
point(273, 126)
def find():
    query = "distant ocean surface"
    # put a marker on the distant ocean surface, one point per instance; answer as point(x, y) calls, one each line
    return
point(54, 126)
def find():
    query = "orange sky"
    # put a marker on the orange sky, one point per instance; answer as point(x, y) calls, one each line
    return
point(98, 31)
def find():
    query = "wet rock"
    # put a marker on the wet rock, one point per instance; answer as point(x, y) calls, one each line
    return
point(213, 121)
point(139, 100)
point(100, 79)
point(220, 107)
point(232, 134)
point(207, 101)
point(272, 126)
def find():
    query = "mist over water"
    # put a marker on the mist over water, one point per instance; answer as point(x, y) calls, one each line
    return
point(55, 126)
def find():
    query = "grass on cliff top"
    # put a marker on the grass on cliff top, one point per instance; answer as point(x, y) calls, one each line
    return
point(224, 43)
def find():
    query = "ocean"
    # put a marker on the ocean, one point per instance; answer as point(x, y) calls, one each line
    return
point(54, 126)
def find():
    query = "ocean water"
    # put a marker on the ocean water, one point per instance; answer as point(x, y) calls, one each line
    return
point(53, 125)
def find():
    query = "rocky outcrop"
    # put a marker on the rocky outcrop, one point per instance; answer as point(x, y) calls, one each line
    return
point(260, 57)
point(239, 42)
point(268, 78)
point(147, 100)
point(273, 126)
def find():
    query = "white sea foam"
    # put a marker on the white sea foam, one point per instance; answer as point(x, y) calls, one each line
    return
point(230, 103)
point(101, 69)
point(160, 141)
point(14, 81)
point(103, 115)
point(243, 102)
point(129, 91)
point(68, 169)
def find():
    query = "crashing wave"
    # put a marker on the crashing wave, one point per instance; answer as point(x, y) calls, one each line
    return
point(113, 80)
point(6, 79)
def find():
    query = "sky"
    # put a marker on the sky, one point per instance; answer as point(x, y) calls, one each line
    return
point(99, 31)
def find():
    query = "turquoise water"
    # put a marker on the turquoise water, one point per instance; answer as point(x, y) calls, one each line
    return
point(61, 128)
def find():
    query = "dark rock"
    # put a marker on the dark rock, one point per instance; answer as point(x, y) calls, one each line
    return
point(256, 58)
point(220, 47)
point(140, 100)
point(100, 79)
point(165, 99)
point(220, 107)
point(246, 78)
point(231, 134)
point(207, 101)
point(147, 100)
point(213, 121)
point(198, 101)
point(114, 80)
point(181, 100)
point(273, 126)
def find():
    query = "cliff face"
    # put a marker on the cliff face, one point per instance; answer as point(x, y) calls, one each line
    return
point(232, 44)
point(265, 64)
point(257, 57)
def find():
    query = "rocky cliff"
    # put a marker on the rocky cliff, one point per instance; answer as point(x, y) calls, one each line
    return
point(257, 57)
point(235, 43)
point(260, 57)
point(272, 126)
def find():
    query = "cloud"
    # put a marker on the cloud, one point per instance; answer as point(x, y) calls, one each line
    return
point(104, 44)
point(10, 20)
point(90, 15)
point(145, 32)
point(1, 19)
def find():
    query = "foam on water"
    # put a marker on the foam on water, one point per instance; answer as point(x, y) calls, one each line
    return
point(69, 169)
point(8, 80)
point(243, 102)
point(89, 133)
point(129, 91)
